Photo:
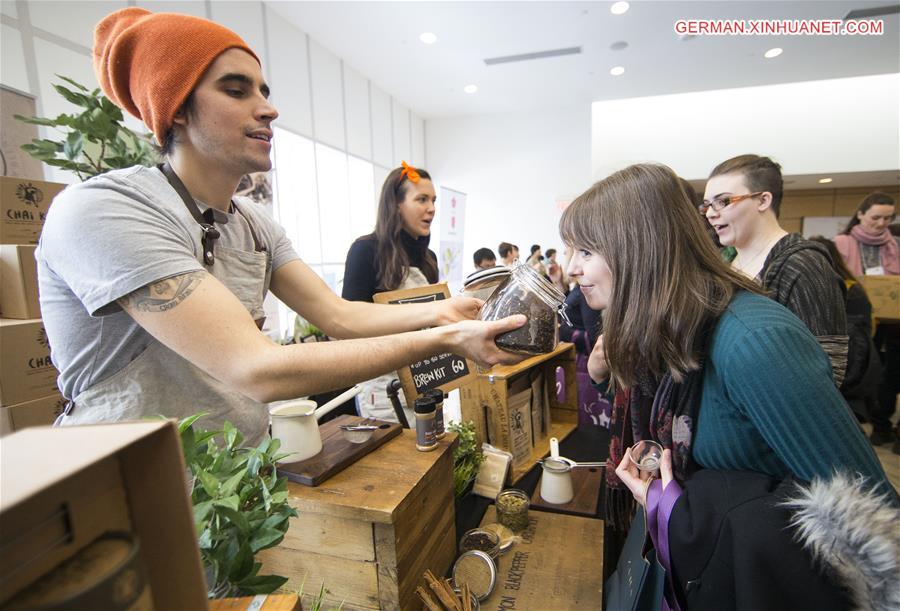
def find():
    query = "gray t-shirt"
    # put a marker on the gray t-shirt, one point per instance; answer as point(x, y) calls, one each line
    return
point(108, 237)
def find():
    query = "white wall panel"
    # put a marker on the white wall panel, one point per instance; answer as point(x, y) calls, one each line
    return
point(245, 18)
point(289, 75)
point(417, 129)
point(356, 102)
point(813, 127)
point(73, 21)
point(382, 134)
point(197, 8)
point(51, 60)
point(12, 64)
point(8, 7)
point(328, 105)
point(401, 132)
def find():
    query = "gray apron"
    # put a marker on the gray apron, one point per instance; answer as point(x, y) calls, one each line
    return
point(159, 381)
point(373, 401)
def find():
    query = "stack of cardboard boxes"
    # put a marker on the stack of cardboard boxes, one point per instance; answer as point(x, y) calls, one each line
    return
point(28, 392)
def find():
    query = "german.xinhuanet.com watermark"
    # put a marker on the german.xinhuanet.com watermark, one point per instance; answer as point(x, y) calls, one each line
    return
point(779, 27)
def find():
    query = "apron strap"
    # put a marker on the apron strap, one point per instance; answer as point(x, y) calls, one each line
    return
point(210, 233)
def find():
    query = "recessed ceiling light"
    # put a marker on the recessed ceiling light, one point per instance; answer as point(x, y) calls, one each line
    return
point(773, 52)
point(824, 181)
point(617, 71)
point(428, 38)
point(470, 88)
point(618, 8)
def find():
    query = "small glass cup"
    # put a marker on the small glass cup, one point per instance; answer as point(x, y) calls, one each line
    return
point(647, 456)
point(512, 509)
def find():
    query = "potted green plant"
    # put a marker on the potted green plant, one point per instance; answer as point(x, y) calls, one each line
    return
point(94, 140)
point(467, 457)
point(240, 506)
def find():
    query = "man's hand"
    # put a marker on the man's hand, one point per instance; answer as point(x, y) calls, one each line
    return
point(474, 339)
point(455, 309)
point(597, 366)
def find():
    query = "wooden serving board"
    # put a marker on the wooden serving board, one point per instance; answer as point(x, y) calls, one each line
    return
point(337, 453)
point(586, 485)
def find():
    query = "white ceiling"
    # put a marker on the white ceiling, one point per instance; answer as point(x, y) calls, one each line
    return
point(381, 40)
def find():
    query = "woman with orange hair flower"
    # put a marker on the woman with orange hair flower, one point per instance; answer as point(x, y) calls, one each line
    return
point(394, 256)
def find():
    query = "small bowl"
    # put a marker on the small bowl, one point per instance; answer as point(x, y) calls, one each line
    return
point(358, 433)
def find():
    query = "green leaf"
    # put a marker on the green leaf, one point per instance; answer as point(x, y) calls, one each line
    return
point(230, 502)
point(231, 485)
point(266, 539)
point(242, 565)
point(36, 120)
point(75, 83)
point(185, 423)
point(237, 517)
point(209, 482)
point(261, 584)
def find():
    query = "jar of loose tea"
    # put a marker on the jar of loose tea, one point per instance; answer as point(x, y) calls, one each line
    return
point(481, 540)
point(527, 292)
point(512, 509)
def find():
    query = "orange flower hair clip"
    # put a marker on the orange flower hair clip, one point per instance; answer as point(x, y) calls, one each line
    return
point(409, 172)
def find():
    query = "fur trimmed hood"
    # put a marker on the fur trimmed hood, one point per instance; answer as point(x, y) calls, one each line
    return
point(855, 533)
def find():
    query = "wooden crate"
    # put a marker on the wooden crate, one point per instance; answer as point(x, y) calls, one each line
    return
point(558, 564)
point(369, 532)
point(486, 403)
point(884, 293)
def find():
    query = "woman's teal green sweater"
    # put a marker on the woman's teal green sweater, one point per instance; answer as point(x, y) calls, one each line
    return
point(769, 405)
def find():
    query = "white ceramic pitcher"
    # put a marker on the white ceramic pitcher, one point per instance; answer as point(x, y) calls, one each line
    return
point(296, 425)
point(556, 483)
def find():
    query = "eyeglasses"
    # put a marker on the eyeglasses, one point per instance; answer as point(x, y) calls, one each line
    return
point(720, 202)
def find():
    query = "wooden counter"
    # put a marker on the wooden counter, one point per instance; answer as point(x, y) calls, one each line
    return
point(370, 531)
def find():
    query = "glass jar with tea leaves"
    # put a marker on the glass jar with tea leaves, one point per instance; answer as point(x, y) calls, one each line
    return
point(512, 509)
point(527, 292)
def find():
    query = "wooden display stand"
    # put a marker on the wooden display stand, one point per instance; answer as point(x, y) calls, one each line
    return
point(486, 402)
point(370, 532)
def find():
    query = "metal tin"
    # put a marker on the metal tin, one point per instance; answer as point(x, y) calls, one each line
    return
point(478, 570)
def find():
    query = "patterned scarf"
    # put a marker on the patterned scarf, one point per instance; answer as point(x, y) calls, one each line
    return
point(664, 411)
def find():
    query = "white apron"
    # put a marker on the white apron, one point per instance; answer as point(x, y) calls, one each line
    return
point(373, 401)
point(159, 381)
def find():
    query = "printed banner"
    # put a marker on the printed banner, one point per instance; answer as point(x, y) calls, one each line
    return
point(452, 205)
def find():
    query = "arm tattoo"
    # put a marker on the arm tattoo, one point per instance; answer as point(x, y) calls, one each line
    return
point(163, 295)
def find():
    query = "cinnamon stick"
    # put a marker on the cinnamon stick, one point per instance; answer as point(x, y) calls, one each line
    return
point(428, 600)
point(444, 594)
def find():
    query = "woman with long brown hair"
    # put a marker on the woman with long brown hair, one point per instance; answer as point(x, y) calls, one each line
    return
point(721, 376)
point(394, 256)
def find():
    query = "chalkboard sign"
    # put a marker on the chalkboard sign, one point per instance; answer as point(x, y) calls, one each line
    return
point(445, 371)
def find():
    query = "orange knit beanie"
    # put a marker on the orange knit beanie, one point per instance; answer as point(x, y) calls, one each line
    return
point(148, 63)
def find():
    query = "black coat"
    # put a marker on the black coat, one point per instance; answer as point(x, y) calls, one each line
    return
point(731, 548)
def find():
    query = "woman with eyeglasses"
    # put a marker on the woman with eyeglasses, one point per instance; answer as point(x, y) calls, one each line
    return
point(741, 203)
point(730, 383)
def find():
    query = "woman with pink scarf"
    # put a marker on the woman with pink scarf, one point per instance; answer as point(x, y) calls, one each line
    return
point(868, 247)
point(866, 244)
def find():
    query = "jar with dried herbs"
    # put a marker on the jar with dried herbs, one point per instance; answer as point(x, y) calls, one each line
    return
point(512, 509)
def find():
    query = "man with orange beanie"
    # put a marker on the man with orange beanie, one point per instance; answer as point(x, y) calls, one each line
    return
point(152, 279)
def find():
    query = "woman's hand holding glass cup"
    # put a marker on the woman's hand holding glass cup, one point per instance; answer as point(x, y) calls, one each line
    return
point(642, 463)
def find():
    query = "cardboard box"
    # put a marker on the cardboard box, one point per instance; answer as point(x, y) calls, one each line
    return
point(18, 282)
point(26, 371)
point(23, 208)
point(64, 487)
point(40, 412)
point(884, 293)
